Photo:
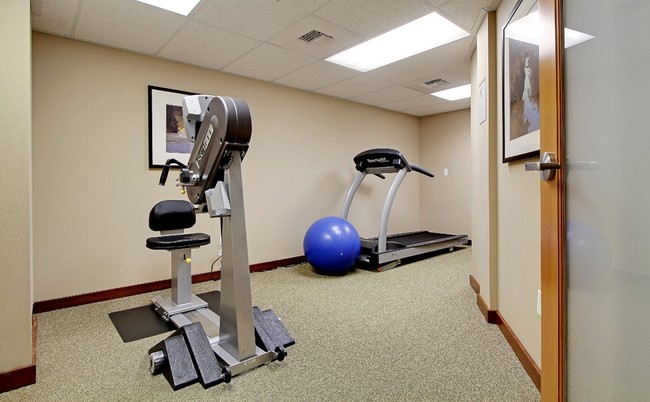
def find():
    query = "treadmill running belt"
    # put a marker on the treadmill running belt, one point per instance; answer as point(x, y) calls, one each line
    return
point(412, 239)
point(420, 238)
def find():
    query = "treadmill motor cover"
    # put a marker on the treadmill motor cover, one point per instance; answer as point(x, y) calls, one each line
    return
point(380, 160)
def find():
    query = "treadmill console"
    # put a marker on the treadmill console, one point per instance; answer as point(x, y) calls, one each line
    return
point(380, 160)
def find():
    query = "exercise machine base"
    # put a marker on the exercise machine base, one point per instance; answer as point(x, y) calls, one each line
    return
point(191, 355)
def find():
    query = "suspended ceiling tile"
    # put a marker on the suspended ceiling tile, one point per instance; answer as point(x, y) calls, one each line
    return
point(317, 75)
point(437, 3)
point(464, 103)
point(372, 17)
point(465, 13)
point(54, 17)
point(268, 62)
point(315, 37)
point(255, 19)
point(386, 95)
point(207, 47)
point(436, 82)
point(437, 108)
point(413, 103)
point(355, 86)
point(126, 24)
point(426, 63)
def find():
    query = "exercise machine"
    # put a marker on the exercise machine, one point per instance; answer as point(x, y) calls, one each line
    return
point(387, 251)
point(211, 347)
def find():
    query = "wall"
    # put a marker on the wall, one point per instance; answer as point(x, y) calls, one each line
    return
point(505, 202)
point(15, 197)
point(93, 189)
point(446, 200)
point(519, 233)
point(484, 164)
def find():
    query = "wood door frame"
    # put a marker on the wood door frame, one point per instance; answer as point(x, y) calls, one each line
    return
point(552, 202)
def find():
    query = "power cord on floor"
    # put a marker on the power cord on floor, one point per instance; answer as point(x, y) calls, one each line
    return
point(212, 268)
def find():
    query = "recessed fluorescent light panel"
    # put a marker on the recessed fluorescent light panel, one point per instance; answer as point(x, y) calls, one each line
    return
point(527, 29)
point(452, 94)
point(182, 7)
point(417, 36)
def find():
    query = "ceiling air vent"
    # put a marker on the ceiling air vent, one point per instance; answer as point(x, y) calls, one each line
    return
point(435, 83)
point(315, 37)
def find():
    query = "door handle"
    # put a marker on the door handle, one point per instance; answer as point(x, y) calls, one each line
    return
point(546, 166)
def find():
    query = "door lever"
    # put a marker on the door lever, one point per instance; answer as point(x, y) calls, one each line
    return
point(546, 166)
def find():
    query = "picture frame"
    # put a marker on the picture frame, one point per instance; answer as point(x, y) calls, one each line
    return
point(166, 128)
point(520, 91)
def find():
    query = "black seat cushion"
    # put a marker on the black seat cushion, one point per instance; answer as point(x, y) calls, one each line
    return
point(178, 241)
point(172, 215)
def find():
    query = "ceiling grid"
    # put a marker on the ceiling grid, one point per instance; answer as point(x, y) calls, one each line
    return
point(260, 39)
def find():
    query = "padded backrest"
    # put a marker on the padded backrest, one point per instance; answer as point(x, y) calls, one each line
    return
point(172, 215)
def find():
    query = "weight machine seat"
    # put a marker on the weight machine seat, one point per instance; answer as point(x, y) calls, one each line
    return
point(171, 215)
point(178, 241)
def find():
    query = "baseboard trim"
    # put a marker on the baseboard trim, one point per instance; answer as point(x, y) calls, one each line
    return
point(18, 378)
point(34, 334)
point(474, 284)
point(495, 317)
point(526, 360)
point(110, 294)
point(23, 376)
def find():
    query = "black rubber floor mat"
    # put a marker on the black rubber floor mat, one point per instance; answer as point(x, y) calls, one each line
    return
point(142, 322)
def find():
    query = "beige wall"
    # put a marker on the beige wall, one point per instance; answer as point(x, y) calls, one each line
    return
point(505, 202)
point(15, 198)
point(445, 143)
point(484, 164)
point(519, 235)
point(93, 190)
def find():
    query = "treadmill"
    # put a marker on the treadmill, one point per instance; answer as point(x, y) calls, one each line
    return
point(388, 251)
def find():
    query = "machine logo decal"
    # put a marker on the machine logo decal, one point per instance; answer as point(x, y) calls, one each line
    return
point(204, 144)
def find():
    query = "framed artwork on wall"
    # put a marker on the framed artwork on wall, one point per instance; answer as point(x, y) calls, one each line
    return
point(520, 94)
point(166, 128)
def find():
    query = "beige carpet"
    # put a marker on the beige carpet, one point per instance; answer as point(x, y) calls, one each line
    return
point(409, 334)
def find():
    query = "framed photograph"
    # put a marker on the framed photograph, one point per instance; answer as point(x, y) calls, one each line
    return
point(521, 83)
point(166, 128)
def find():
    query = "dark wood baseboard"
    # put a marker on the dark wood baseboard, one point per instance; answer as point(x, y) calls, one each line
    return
point(18, 378)
point(494, 317)
point(490, 316)
point(526, 360)
point(23, 376)
point(34, 334)
point(110, 294)
point(474, 284)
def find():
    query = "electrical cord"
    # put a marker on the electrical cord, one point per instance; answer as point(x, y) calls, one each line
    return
point(212, 268)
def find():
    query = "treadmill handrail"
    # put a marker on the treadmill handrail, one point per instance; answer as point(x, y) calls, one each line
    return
point(418, 169)
point(345, 210)
point(388, 204)
point(377, 161)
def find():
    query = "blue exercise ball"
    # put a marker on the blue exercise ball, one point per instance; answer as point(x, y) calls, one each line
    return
point(332, 245)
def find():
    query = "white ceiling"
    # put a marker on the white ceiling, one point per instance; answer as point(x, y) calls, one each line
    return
point(259, 39)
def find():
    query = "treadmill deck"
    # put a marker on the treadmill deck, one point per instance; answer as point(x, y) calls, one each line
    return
point(406, 245)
